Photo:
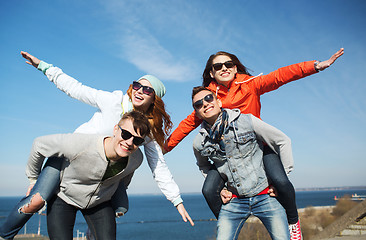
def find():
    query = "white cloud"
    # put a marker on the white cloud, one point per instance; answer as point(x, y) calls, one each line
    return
point(147, 54)
point(150, 35)
point(141, 47)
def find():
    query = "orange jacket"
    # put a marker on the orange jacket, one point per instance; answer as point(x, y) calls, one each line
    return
point(245, 92)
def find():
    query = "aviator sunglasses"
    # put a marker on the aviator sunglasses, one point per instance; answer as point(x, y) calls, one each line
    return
point(218, 66)
point(145, 89)
point(127, 135)
point(198, 104)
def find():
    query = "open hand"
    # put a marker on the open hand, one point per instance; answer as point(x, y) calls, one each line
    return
point(325, 64)
point(32, 60)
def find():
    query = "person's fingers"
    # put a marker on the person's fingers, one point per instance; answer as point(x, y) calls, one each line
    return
point(29, 189)
point(185, 216)
point(337, 55)
point(189, 219)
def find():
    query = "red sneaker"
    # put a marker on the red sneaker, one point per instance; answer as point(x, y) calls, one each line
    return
point(295, 231)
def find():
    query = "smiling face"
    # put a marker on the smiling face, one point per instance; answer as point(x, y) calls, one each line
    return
point(140, 100)
point(225, 75)
point(124, 147)
point(209, 111)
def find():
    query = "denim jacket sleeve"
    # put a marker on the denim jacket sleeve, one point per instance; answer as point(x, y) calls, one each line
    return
point(202, 162)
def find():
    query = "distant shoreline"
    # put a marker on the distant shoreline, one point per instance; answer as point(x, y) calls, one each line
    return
point(331, 188)
point(309, 189)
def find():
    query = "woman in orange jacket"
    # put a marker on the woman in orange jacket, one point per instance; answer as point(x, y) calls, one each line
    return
point(225, 75)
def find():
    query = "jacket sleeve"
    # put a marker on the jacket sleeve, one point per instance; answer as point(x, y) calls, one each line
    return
point(127, 180)
point(276, 140)
point(161, 172)
point(202, 162)
point(44, 147)
point(75, 89)
point(184, 128)
point(281, 76)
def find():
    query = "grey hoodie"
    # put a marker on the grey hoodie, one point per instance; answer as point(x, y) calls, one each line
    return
point(81, 178)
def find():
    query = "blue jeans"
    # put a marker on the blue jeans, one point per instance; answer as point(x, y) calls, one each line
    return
point(61, 220)
point(277, 176)
point(211, 190)
point(119, 200)
point(46, 185)
point(234, 214)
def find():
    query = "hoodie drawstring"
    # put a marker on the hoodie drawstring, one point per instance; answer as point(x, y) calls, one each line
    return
point(218, 86)
point(249, 79)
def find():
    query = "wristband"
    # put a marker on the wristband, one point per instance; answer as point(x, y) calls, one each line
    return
point(316, 65)
point(43, 66)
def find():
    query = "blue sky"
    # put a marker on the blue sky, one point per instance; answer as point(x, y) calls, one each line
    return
point(108, 44)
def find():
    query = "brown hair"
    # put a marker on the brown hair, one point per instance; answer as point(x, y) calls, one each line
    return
point(159, 119)
point(198, 89)
point(206, 77)
point(140, 123)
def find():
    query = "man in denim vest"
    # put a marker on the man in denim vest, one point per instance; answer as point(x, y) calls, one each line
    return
point(233, 142)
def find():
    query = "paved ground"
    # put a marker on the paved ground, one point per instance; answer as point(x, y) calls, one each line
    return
point(360, 237)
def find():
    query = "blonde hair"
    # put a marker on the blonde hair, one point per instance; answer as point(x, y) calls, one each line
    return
point(159, 119)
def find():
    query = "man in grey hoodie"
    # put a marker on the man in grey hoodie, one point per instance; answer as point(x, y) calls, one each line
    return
point(233, 142)
point(94, 167)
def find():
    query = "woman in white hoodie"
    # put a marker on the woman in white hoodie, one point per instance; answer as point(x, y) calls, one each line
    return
point(143, 95)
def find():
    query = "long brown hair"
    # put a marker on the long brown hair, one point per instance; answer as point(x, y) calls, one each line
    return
point(159, 119)
point(206, 77)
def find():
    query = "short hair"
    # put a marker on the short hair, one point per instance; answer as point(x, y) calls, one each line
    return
point(198, 89)
point(139, 121)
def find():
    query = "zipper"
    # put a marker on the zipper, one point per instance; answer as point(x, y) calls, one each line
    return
point(100, 182)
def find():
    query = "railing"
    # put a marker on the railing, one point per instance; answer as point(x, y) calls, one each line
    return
point(81, 234)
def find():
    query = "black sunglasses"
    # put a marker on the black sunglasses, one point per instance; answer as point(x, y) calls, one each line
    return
point(218, 66)
point(127, 135)
point(145, 89)
point(198, 104)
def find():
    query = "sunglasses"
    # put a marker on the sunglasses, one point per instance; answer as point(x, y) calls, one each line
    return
point(198, 104)
point(127, 135)
point(218, 66)
point(145, 89)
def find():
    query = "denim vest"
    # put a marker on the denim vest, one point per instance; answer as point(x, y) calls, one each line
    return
point(241, 163)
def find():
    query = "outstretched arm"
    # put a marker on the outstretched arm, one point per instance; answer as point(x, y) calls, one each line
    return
point(186, 126)
point(72, 87)
point(320, 66)
point(284, 75)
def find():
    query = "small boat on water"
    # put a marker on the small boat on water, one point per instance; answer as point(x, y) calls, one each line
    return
point(354, 197)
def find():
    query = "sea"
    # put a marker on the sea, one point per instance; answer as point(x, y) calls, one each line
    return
point(154, 217)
